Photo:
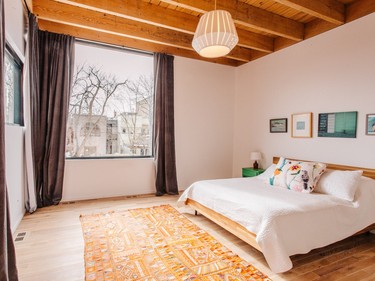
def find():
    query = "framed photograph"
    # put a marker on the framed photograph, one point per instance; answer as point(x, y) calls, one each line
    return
point(279, 125)
point(338, 124)
point(302, 125)
point(370, 124)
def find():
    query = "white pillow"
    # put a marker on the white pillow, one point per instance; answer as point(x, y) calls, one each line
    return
point(267, 173)
point(342, 184)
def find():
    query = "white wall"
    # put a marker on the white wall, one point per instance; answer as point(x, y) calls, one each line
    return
point(204, 120)
point(14, 22)
point(100, 178)
point(204, 139)
point(331, 72)
point(15, 173)
point(14, 134)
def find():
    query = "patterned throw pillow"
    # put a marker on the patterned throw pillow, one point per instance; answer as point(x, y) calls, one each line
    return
point(297, 175)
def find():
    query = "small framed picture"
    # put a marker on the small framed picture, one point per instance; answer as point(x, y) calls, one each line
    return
point(370, 124)
point(279, 125)
point(302, 125)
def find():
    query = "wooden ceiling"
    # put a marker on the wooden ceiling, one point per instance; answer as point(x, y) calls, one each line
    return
point(263, 26)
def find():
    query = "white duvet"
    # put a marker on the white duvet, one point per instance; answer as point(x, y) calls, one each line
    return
point(286, 222)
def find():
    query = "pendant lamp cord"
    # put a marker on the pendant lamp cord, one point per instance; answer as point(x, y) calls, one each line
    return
point(215, 5)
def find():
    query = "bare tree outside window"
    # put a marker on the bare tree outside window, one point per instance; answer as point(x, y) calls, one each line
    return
point(13, 69)
point(9, 89)
point(111, 110)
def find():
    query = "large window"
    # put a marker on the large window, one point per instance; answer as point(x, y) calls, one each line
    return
point(111, 107)
point(13, 93)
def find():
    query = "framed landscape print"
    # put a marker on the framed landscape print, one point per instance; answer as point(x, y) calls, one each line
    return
point(338, 124)
point(279, 125)
point(370, 124)
point(302, 125)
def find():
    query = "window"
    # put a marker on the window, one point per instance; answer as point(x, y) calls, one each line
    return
point(111, 106)
point(13, 93)
point(90, 129)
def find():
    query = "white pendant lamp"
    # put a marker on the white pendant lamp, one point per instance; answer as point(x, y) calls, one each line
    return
point(215, 35)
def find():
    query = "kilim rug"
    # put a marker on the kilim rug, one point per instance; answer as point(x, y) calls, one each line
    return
point(157, 244)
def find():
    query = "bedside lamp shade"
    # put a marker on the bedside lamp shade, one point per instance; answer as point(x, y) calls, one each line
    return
point(255, 156)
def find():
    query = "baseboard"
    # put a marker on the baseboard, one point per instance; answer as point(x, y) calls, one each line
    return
point(107, 198)
point(120, 197)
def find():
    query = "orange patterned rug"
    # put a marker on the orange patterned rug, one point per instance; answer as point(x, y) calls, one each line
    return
point(157, 244)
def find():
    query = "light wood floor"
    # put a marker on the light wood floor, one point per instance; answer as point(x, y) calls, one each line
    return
point(53, 246)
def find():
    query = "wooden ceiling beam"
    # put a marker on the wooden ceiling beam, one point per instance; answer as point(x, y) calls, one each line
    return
point(359, 9)
point(328, 10)
point(58, 12)
point(281, 43)
point(142, 11)
point(316, 27)
point(255, 41)
point(257, 55)
point(63, 13)
point(248, 15)
point(103, 37)
point(29, 4)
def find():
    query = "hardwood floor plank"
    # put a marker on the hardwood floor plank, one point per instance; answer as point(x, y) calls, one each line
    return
point(349, 269)
point(359, 275)
point(53, 245)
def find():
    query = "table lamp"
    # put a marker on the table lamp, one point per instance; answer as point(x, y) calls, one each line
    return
point(255, 156)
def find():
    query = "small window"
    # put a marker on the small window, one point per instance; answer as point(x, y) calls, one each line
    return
point(90, 129)
point(13, 93)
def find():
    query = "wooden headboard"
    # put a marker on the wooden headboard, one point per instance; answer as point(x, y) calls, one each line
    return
point(366, 171)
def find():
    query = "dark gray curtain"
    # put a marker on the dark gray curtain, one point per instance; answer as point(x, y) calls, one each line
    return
point(8, 269)
point(164, 139)
point(53, 71)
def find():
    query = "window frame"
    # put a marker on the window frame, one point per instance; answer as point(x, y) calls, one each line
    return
point(17, 58)
point(127, 50)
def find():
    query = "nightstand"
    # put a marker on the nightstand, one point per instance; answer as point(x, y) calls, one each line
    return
point(251, 172)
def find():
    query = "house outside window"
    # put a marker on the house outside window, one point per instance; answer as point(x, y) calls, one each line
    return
point(112, 101)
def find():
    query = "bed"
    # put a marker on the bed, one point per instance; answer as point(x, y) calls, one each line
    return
point(280, 222)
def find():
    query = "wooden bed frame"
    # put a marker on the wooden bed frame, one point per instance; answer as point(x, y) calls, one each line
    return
point(249, 237)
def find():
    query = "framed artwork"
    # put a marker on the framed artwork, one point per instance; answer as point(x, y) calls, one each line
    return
point(279, 125)
point(370, 124)
point(302, 125)
point(338, 124)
